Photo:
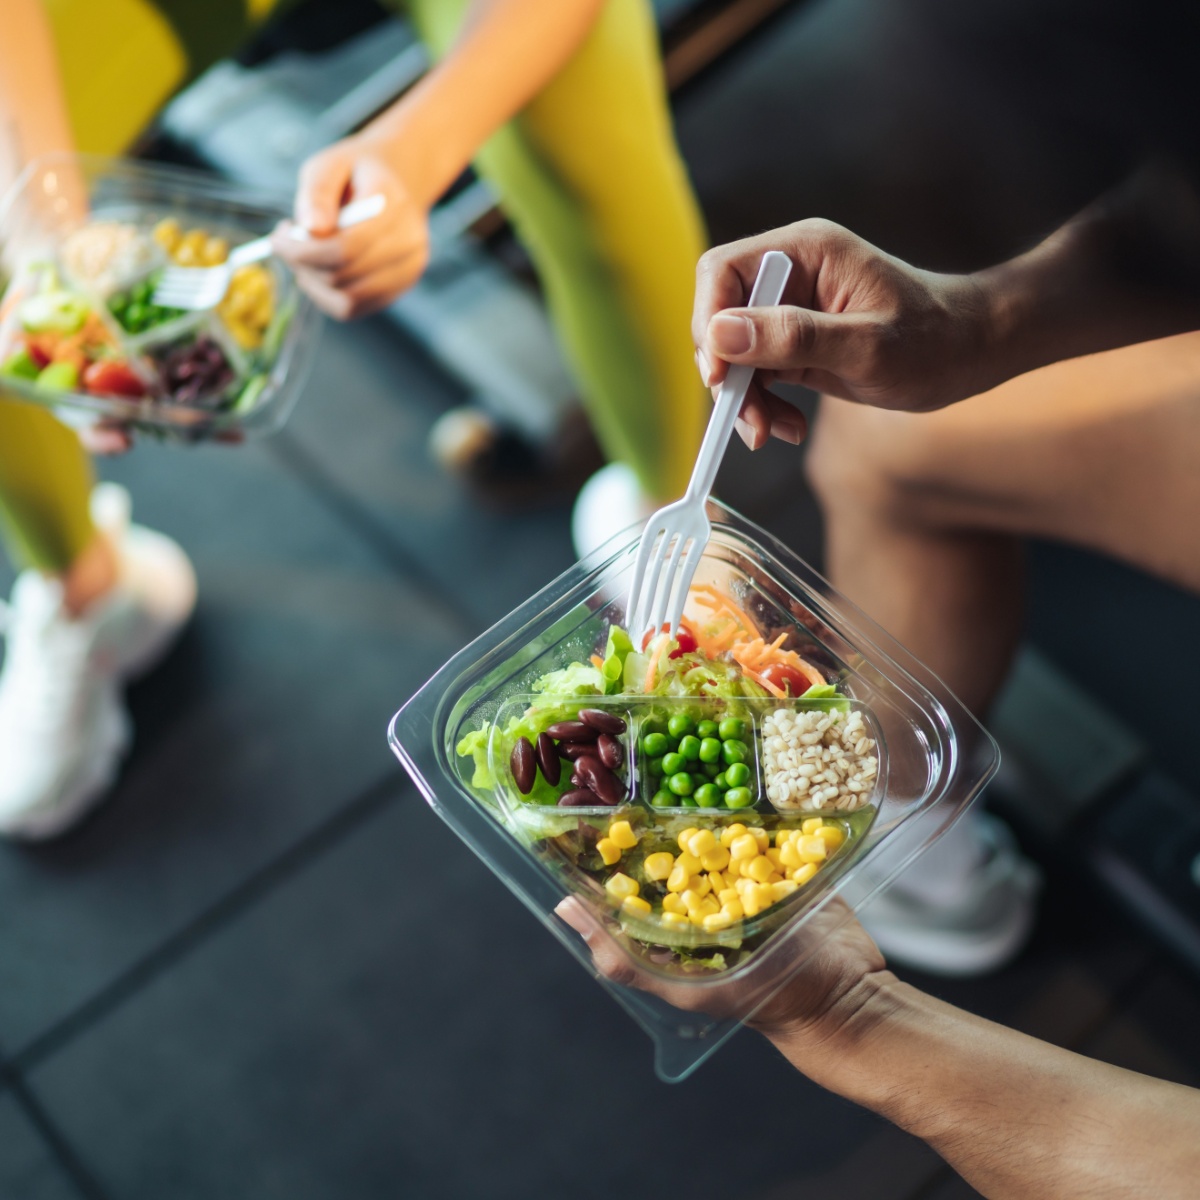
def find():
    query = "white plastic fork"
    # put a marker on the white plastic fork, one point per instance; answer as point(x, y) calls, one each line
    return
point(195, 288)
point(659, 589)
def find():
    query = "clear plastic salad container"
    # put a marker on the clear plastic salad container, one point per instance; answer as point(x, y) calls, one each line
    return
point(83, 240)
point(702, 802)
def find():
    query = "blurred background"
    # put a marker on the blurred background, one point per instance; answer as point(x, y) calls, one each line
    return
point(265, 969)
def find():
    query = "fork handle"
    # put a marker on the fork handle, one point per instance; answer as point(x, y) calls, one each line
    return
point(353, 213)
point(772, 277)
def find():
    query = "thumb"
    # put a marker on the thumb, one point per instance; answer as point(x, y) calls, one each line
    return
point(783, 338)
point(319, 191)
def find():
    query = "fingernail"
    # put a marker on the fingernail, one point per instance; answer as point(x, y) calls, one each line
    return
point(788, 431)
point(705, 368)
point(730, 335)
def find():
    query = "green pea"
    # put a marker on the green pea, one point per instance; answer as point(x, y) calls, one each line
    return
point(688, 802)
point(689, 747)
point(654, 725)
point(655, 744)
point(721, 781)
point(135, 314)
point(680, 725)
point(710, 750)
point(681, 784)
point(711, 770)
point(707, 796)
point(734, 751)
point(707, 729)
point(737, 774)
point(662, 799)
point(732, 727)
point(673, 763)
point(654, 766)
point(739, 797)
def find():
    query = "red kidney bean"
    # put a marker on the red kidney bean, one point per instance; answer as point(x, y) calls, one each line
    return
point(574, 750)
point(548, 760)
point(579, 798)
point(572, 731)
point(609, 749)
point(594, 774)
point(524, 765)
point(601, 721)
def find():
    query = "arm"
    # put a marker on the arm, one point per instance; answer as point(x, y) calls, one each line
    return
point(507, 51)
point(33, 111)
point(865, 326)
point(1019, 1119)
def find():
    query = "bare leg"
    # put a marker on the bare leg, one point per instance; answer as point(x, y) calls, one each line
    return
point(924, 512)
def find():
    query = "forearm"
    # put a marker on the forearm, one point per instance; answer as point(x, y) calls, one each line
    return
point(507, 52)
point(33, 112)
point(1125, 270)
point(1017, 1118)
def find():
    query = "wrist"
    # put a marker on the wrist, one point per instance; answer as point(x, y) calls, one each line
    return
point(424, 162)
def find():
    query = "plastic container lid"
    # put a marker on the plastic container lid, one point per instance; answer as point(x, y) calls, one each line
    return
point(933, 758)
point(57, 195)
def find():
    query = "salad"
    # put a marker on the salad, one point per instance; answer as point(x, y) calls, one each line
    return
point(696, 786)
point(82, 320)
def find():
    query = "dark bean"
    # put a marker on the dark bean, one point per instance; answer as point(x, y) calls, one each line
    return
point(574, 750)
point(594, 774)
point(572, 731)
point(548, 760)
point(524, 765)
point(609, 749)
point(580, 797)
point(601, 721)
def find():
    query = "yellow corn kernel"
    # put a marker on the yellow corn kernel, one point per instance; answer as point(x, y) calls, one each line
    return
point(774, 877)
point(832, 836)
point(717, 882)
point(717, 921)
point(674, 918)
point(734, 909)
point(761, 836)
point(781, 838)
point(216, 251)
point(782, 889)
point(673, 902)
point(811, 825)
point(715, 860)
point(742, 885)
point(744, 847)
point(788, 856)
point(678, 879)
point(760, 869)
point(167, 234)
point(619, 886)
point(692, 900)
point(811, 848)
point(622, 833)
point(773, 855)
point(699, 883)
point(765, 894)
point(610, 852)
point(805, 873)
point(658, 866)
point(682, 839)
point(190, 250)
point(636, 905)
point(701, 842)
point(689, 862)
point(729, 896)
point(730, 832)
point(750, 905)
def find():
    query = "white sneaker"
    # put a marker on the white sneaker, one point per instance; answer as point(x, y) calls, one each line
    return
point(608, 504)
point(63, 724)
point(981, 929)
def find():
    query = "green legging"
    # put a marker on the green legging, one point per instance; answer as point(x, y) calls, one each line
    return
point(591, 178)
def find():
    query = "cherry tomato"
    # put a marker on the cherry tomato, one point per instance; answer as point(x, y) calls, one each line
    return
point(39, 352)
point(111, 378)
point(787, 679)
point(687, 644)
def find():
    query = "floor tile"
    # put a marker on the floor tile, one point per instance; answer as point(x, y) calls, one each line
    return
point(269, 716)
point(392, 1022)
point(28, 1168)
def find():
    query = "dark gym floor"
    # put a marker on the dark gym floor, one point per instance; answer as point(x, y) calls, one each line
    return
point(265, 969)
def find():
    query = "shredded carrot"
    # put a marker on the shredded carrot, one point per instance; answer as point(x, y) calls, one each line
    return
point(763, 682)
point(660, 644)
point(597, 662)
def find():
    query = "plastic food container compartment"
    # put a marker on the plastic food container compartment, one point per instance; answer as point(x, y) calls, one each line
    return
point(921, 759)
point(82, 242)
